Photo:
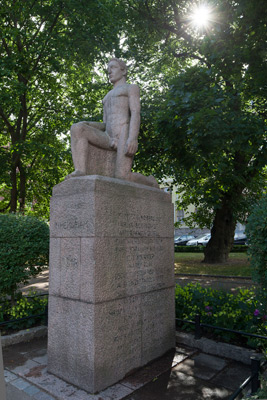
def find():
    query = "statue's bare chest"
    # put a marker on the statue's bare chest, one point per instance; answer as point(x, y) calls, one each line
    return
point(117, 97)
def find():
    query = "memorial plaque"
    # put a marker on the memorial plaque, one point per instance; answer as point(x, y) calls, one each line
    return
point(69, 215)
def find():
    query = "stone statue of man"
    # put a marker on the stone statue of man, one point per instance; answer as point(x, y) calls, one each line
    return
point(118, 132)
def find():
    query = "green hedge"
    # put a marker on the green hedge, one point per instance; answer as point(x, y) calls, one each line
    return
point(24, 250)
point(238, 311)
point(200, 249)
point(256, 231)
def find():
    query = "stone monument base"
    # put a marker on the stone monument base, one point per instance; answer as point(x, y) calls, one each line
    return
point(111, 303)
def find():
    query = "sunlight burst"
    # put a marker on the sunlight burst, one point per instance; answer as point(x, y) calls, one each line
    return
point(201, 16)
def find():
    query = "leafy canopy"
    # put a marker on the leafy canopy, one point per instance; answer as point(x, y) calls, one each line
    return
point(48, 53)
point(209, 110)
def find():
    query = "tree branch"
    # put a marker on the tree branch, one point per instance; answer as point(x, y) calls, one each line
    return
point(6, 121)
point(36, 33)
point(5, 208)
point(47, 40)
point(190, 55)
point(179, 31)
point(6, 47)
point(176, 16)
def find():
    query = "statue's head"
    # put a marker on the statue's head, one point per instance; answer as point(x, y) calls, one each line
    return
point(121, 64)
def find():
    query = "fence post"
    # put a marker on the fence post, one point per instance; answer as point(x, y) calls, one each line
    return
point(255, 369)
point(198, 330)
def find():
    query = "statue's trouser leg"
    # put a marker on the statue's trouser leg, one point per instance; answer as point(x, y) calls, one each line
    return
point(79, 153)
point(123, 163)
point(81, 135)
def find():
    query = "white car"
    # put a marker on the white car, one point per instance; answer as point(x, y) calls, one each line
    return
point(200, 240)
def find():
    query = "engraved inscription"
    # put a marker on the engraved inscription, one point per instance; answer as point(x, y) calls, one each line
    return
point(146, 261)
point(137, 225)
point(72, 223)
point(132, 223)
point(128, 330)
point(144, 265)
point(70, 262)
point(158, 325)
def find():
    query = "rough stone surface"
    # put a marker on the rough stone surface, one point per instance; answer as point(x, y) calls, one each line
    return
point(231, 351)
point(101, 161)
point(202, 366)
point(111, 306)
point(233, 376)
point(23, 336)
point(176, 385)
point(158, 380)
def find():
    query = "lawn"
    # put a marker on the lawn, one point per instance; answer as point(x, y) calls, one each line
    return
point(191, 263)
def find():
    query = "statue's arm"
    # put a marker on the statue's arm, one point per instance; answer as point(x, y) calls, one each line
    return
point(104, 116)
point(134, 105)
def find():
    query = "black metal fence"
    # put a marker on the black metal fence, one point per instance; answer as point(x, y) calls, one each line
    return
point(256, 366)
point(44, 314)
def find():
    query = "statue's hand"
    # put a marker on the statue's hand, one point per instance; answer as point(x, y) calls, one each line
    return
point(113, 143)
point(131, 147)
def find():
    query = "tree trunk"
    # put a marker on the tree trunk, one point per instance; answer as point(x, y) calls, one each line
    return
point(222, 235)
point(14, 190)
point(22, 188)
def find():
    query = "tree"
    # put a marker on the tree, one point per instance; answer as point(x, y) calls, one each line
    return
point(215, 152)
point(210, 132)
point(48, 52)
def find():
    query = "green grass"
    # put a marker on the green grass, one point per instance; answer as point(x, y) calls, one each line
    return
point(191, 263)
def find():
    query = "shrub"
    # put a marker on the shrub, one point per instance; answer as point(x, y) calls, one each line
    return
point(189, 249)
point(256, 231)
point(24, 306)
point(24, 250)
point(200, 249)
point(217, 307)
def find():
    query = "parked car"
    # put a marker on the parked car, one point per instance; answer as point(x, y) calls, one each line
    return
point(182, 240)
point(240, 238)
point(200, 240)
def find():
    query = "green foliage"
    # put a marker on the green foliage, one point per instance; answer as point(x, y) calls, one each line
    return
point(239, 249)
point(209, 130)
point(217, 307)
point(213, 150)
point(25, 306)
point(24, 249)
point(200, 249)
point(256, 230)
point(51, 60)
point(188, 249)
point(262, 392)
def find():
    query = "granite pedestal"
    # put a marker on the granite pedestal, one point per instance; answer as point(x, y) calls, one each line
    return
point(111, 295)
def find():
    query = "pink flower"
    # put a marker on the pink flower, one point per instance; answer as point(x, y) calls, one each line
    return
point(208, 308)
point(256, 312)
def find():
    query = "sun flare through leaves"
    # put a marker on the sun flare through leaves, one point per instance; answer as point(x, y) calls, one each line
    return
point(201, 16)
